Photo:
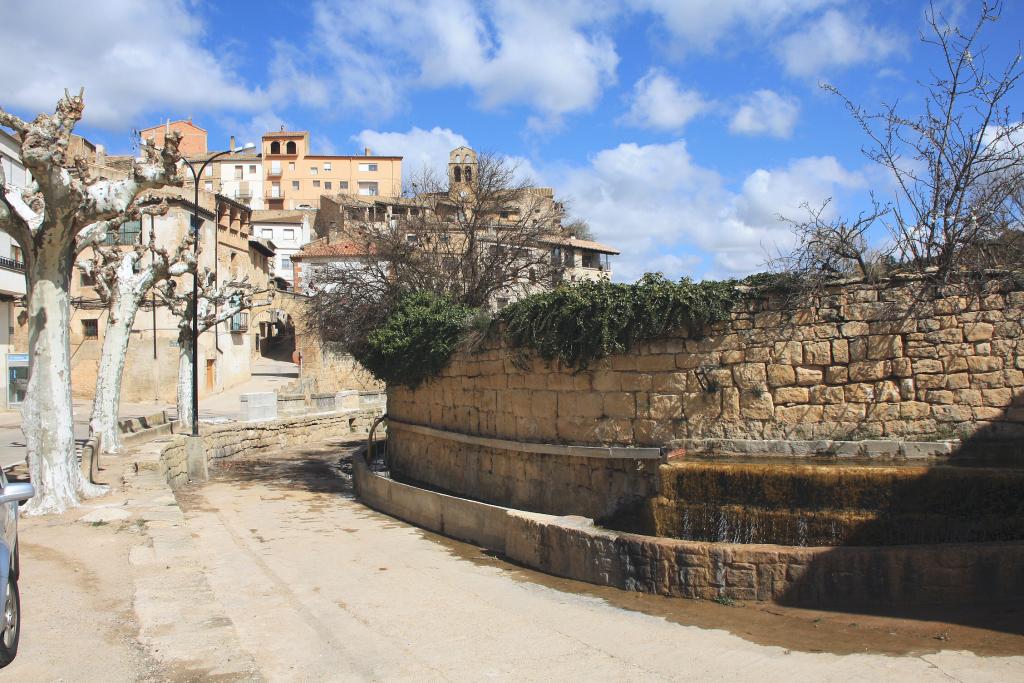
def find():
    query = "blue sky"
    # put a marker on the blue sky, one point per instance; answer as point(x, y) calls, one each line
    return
point(679, 129)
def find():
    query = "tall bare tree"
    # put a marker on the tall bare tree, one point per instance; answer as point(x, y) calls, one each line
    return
point(217, 303)
point(471, 241)
point(73, 210)
point(124, 277)
point(956, 164)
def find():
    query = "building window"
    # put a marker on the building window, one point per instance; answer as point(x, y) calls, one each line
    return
point(209, 186)
point(312, 170)
point(127, 233)
point(316, 183)
point(342, 184)
point(252, 169)
point(295, 184)
point(267, 233)
point(16, 254)
point(504, 214)
point(367, 168)
point(290, 148)
point(289, 233)
point(275, 189)
point(286, 263)
point(368, 189)
point(327, 184)
point(91, 328)
point(87, 279)
point(291, 165)
point(209, 170)
point(239, 172)
point(240, 322)
point(275, 147)
point(458, 174)
point(327, 167)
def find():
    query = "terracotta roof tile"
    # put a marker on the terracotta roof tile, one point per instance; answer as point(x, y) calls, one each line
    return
point(322, 248)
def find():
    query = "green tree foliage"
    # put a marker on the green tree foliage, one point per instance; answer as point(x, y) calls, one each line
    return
point(416, 341)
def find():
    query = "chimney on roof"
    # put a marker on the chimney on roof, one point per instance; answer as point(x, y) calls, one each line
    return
point(231, 143)
point(366, 151)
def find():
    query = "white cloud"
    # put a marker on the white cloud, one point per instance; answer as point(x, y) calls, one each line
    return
point(702, 24)
point(659, 102)
point(421, 148)
point(133, 59)
point(664, 211)
point(765, 112)
point(554, 59)
point(837, 40)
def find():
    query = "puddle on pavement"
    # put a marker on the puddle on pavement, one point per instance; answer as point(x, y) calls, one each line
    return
point(803, 630)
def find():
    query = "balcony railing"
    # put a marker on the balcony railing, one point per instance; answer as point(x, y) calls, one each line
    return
point(11, 264)
point(239, 322)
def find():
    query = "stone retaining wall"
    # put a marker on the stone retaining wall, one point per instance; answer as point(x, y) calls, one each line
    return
point(851, 364)
point(854, 364)
point(224, 440)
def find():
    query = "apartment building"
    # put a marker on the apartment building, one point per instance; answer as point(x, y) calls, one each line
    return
point(193, 138)
point(295, 178)
point(288, 230)
point(237, 175)
point(12, 278)
point(230, 251)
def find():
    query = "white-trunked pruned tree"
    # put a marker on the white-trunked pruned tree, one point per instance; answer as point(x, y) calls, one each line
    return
point(124, 277)
point(72, 210)
point(217, 303)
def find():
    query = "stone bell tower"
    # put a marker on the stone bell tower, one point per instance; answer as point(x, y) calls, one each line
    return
point(462, 168)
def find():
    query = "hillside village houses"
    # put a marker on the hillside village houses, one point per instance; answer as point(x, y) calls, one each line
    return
point(275, 215)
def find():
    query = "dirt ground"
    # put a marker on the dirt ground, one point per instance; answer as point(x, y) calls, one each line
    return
point(272, 570)
point(77, 617)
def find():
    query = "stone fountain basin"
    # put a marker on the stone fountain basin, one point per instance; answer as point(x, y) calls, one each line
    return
point(832, 502)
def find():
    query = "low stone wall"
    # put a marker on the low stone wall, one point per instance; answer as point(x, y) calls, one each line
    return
point(573, 547)
point(225, 440)
point(597, 482)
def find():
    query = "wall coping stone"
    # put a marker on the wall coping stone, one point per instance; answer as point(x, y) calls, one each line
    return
point(607, 452)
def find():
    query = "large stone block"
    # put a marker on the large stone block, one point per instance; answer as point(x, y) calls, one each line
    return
point(789, 353)
point(749, 375)
point(806, 377)
point(884, 346)
point(817, 353)
point(867, 371)
point(781, 375)
point(786, 395)
point(790, 415)
point(757, 405)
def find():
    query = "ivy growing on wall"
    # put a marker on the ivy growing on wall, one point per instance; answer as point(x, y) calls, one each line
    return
point(581, 323)
point(574, 324)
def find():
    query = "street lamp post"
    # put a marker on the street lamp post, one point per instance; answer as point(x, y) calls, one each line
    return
point(195, 281)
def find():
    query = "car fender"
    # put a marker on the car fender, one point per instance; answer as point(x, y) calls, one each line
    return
point(5, 570)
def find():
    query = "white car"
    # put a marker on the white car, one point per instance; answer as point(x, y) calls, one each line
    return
point(10, 602)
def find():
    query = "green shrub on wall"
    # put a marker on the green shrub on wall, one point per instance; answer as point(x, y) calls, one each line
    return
point(581, 323)
point(416, 341)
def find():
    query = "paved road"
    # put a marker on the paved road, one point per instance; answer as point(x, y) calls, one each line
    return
point(319, 587)
point(267, 375)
